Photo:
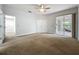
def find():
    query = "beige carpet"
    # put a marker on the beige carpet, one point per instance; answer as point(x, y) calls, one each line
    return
point(35, 44)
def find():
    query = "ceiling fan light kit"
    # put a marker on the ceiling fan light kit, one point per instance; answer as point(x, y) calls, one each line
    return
point(42, 10)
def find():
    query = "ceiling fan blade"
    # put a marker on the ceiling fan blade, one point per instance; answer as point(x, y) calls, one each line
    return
point(47, 8)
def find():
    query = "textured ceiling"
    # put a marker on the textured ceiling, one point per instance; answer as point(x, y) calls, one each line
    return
point(32, 7)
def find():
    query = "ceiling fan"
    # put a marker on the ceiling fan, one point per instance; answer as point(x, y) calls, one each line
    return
point(42, 7)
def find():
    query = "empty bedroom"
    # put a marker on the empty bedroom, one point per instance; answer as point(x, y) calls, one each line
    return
point(39, 29)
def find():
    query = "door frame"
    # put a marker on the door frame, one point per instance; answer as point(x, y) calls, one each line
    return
point(74, 25)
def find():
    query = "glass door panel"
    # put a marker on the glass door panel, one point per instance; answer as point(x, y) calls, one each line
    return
point(68, 25)
point(59, 25)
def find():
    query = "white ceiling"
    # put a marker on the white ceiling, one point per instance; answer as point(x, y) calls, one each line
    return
point(32, 7)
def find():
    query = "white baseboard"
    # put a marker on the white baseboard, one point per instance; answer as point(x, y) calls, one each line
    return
point(30, 33)
point(24, 34)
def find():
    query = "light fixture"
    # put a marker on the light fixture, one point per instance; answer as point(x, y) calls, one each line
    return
point(42, 8)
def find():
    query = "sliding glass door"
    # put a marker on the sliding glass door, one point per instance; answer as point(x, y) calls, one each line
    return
point(64, 25)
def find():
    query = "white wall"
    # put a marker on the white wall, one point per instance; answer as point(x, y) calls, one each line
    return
point(26, 23)
point(1, 9)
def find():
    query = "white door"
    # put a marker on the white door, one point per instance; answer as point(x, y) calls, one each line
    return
point(59, 25)
point(1, 28)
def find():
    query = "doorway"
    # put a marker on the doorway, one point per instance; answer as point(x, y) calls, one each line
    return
point(64, 25)
point(10, 26)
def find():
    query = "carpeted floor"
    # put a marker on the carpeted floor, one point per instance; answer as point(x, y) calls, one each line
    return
point(40, 44)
